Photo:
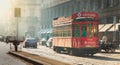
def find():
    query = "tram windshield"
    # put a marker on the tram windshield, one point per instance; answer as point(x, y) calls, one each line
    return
point(84, 32)
point(89, 30)
point(92, 30)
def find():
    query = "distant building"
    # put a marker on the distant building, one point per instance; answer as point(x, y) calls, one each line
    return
point(30, 16)
point(109, 11)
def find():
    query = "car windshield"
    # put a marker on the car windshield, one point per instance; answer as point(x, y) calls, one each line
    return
point(31, 39)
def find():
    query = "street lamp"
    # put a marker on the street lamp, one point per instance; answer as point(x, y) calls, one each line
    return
point(114, 23)
point(17, 15)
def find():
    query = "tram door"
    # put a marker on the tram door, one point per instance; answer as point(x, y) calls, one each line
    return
point(83, 35)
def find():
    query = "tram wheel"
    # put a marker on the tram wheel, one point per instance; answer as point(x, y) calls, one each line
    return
point(70, 52)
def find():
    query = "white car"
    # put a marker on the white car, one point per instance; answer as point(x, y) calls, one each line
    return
point(43, 42)
point(49, 42)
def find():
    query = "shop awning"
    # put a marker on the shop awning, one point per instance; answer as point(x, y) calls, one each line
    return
point(100, 26)
point(115, 27)
point(105, 27)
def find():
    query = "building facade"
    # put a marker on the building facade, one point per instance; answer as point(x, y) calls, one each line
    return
point(109, 11)
point(28, 19)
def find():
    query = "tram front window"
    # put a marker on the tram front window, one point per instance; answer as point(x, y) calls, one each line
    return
point(89, 29)
point(92, 30)
point(95, 31)
point(83, 31)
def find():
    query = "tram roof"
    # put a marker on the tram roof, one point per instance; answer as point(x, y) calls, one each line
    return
point(79, 16)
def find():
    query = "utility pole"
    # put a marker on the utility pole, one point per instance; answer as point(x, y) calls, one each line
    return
point(17, 14)
point(114, 23)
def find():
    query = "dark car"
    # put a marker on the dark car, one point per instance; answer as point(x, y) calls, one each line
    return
point(9, 39)
point(1, 38)
point(30, 43)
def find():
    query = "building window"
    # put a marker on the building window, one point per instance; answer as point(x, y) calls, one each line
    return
point(94, 5)
point(111, 3)
point(90, 5)
point(98, 4)
point(107, 3)
point(103, 20)
point(102, 4)
point(116, 2)
point(110, 19)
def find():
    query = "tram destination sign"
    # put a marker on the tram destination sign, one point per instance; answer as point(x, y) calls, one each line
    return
point(85, 14)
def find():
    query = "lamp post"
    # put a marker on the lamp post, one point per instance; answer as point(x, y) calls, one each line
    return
point(17, 15)
point(114, 23)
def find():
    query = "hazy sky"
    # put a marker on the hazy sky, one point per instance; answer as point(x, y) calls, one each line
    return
point(5, 12)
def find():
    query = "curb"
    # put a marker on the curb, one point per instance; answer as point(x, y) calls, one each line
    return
point(29, 59)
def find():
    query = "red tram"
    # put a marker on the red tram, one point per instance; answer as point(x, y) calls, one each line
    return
point(77, 34)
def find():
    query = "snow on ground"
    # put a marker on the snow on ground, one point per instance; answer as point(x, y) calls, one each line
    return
point(6, 59)
point(97, 59)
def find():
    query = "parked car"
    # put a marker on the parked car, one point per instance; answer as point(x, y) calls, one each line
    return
point(1, 38)
point(43, 42)
point(30, 43)
point(9, 39)
point(49, 42)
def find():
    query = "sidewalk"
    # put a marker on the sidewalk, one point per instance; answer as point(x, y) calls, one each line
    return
point(39, 52)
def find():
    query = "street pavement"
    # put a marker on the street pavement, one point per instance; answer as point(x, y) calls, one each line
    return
point(6, 59)
point(97, 59)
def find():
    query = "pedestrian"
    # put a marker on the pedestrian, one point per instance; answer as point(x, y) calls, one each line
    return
point(15, 43)
point(105, 39)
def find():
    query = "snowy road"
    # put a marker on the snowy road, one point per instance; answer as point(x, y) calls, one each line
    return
point(97, 59)
point(6, 59)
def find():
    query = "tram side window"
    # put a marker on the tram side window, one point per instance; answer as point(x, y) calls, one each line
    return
point(69, 30)
point(66, 31)
point(54, 32)
point(76, 30)
point(84, 31)
point(60, 33)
